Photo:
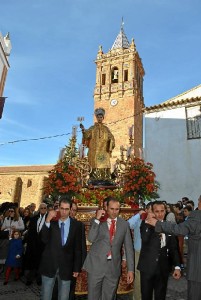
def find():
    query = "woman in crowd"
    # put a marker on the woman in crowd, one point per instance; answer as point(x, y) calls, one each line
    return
point(170, 216)
point(26, 218)
point(11, 222)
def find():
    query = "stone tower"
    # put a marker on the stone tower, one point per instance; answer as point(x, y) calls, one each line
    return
point(119, 90)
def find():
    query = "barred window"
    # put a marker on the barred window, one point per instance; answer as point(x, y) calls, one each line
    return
point(193, 122)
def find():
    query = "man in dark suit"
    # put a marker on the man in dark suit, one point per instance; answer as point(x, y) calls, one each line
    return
point(61, 258)
point(35, 246)
point(192, 228)
point(103, 262)
point(158, 254)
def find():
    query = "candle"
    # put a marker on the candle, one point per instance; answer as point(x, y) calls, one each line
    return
point(80, 151)
point(74, 131)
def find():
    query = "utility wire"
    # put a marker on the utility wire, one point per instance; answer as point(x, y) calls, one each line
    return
point(59, 135)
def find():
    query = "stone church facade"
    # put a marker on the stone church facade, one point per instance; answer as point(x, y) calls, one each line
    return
point(23, 184)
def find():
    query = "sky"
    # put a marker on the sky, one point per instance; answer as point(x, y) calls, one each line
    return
point(51, 78)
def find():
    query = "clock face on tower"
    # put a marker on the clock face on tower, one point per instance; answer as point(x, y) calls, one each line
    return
point(113, 102)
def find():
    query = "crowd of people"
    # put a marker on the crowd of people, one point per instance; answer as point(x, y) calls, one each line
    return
point(49, 245)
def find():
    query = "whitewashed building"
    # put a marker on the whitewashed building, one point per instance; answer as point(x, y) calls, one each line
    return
point(5, 48)
point(173, 144)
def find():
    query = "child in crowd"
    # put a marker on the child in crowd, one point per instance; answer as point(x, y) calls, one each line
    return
point(14, 255)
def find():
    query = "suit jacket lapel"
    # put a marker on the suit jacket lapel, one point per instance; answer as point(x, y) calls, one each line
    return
point(117, 231)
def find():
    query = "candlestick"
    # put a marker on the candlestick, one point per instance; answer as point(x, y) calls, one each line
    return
point(74, 131)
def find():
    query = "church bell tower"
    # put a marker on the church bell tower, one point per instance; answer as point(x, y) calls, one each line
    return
point(119, 90)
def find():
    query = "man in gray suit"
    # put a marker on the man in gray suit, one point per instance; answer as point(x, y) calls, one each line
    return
point(103, 262)
point(192, 228)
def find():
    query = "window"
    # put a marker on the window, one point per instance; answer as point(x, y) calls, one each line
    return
point(125, 75)
point(103, 79)
point(115, 74)
point(193, 122)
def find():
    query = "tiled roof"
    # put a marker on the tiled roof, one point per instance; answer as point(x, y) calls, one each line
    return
point(35, 168)
point(121, 40)
point(191, 96)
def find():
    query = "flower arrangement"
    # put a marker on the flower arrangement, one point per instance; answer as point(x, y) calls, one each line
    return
point(139, 181)
point(139, 184)
point(64, 178)
point(97, 196)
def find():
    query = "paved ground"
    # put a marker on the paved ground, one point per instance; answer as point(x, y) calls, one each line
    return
point(17, 290)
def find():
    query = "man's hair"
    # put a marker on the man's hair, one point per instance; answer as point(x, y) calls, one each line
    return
point(148, 205)
point(158, 202)
point(42, 204)
point(109, 199)
point(65, 199)
point(188, 207)
point(178, 205)
point(190, 202)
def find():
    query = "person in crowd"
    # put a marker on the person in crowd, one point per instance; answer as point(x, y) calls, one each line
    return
point(179, 215)
point(159, 253)
point(56, 209)
point(35, 246)
point(1, 219)
point(73, 213)
point(11, 222)
point(13, 260)
point(191, 203)
point(184, 200)
point(135, 223)
point(170, 215)
point(50, 207)
point(26, 218)
point(192, 228)
point(73, 210)
point(199, 203)
point(4, 236)
point(62, 256)
point(103, 261)
point(32, 208)
point(21, 211)
point(187, 210)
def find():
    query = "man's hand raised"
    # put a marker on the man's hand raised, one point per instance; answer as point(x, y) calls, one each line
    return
point(52, 214)
point(151, 220)
point(100, 213)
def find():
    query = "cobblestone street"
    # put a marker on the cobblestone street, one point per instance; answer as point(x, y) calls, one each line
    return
point(177, 290)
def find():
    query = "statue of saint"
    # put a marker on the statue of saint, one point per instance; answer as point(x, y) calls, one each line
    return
point(100, 142)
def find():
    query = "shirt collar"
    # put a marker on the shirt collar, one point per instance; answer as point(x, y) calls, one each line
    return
point(65, 222)
point(110, 220)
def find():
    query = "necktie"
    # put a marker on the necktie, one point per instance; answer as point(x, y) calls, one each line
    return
point(112, 230)
point(62, 233)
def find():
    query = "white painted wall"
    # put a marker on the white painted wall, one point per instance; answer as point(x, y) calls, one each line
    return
point(176, 160)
